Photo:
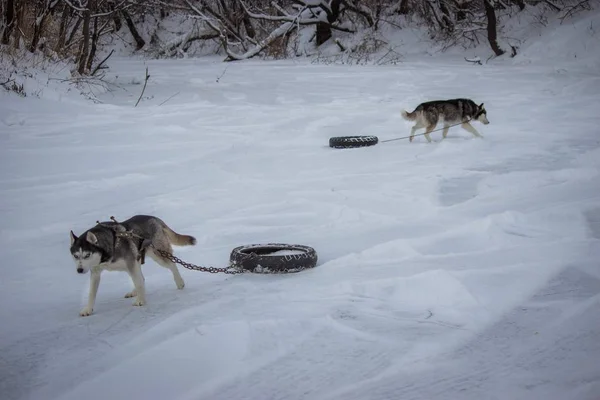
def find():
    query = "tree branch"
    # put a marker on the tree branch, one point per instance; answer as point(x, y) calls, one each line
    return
point(144, 88)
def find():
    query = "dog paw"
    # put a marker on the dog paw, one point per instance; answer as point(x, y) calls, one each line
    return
point(180, 285)
point(139, 303)
point(86, 312)
point(133, 293)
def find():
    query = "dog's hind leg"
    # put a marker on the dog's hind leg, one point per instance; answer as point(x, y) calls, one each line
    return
point(412, 133)
point(94, 283)
point(469, 128)
point(169, 265)
point(135, 271)
point(418, 125)
point(428, 131)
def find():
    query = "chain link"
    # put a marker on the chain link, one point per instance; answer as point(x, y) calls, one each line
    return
point(212, 270)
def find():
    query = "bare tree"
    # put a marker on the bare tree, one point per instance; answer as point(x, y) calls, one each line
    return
point(491, 27)
point(43, 10)
point(62, 33)
point(9, 21)
point(140, 42)
point(84, 47)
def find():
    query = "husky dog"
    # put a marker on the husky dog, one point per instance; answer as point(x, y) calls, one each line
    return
point(103, 248)
point(453, 111)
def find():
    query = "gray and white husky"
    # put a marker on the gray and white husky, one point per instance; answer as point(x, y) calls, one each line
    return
point(453, 111)
point(101, 248)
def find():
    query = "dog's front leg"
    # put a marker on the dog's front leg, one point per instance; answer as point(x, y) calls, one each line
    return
point(138, 282)
point(445, 132)
point(94, 283)
point(469, 128)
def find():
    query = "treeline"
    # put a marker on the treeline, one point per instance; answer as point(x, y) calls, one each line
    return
point(245, 28)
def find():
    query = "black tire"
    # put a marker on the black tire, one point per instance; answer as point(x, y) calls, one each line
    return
point(344, 142)
point(259, 258)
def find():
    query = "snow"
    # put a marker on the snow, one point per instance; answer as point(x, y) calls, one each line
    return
point(572, 42)
point(461, 269)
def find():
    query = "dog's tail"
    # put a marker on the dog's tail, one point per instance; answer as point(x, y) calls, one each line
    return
point(409, 116)
point(179, 240)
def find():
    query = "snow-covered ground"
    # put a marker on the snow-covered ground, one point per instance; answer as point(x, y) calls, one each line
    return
point(461, 269)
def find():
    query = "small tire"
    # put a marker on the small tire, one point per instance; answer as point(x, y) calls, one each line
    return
point(345, 142)
point(273, 258)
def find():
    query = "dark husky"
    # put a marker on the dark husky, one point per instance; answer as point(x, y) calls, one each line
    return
point(101, 248)
point(453, 111)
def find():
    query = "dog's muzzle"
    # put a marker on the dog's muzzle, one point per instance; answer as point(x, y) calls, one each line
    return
point(80, 270)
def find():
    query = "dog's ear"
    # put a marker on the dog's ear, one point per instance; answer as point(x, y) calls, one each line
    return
point(481, 105)
point(90, 237)
point(73, 238)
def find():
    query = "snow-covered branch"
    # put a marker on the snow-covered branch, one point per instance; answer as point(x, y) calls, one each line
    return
point(304, 17)
point(277, 33)
point(358, 7)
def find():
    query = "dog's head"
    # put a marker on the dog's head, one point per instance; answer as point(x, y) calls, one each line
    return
point(481, 114)
point(85, 251)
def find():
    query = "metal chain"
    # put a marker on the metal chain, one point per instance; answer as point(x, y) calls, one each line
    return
point(212, 270)
point(226, 270)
